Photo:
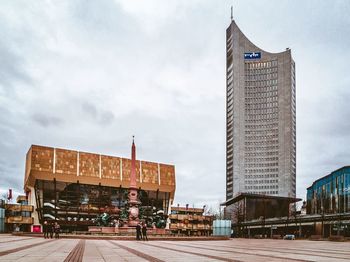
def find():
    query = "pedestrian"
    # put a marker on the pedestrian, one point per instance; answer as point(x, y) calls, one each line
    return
point(138, 231)
point(141, 235)
point(144, 232)
point(57, 230)
point(46, 229)
point(52, 229)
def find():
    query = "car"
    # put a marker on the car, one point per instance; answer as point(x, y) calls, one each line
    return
point(289, 237)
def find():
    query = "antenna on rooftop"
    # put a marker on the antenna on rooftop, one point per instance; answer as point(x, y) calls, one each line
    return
point(231, 12)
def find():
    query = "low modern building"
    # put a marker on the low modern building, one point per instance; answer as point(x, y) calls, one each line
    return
point(329, 198)
point(327, 211)
point(246, 208)
point(330, 194)
point(17, 217)
point(190, 221)
point(75, 188)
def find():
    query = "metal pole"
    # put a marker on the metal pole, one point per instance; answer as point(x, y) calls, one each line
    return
point(55, 191)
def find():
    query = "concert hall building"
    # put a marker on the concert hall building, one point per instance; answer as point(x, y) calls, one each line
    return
point(75, 187)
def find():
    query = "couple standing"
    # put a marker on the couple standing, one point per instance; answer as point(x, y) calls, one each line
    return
point(50, 229)
point(141, 231)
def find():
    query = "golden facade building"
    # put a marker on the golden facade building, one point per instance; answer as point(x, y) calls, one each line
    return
point(75, 187)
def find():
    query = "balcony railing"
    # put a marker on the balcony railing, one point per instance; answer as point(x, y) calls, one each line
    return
point(183, 226)
point(19, 220)
point(181, 217)
point(19, 208)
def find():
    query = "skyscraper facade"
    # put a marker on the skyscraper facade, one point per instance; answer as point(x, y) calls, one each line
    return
point(260, 123)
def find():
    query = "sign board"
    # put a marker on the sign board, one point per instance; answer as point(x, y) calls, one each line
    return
point(252, 55)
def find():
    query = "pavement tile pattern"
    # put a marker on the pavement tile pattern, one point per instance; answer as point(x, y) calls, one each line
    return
point(27, 249)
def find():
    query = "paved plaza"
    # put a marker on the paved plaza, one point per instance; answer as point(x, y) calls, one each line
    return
point(26, 249)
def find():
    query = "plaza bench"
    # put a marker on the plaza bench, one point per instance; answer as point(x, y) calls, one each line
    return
point(315, 237)
point(276, 237)
point(337, 238)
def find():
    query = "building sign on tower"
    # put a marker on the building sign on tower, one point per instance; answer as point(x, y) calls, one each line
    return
point(252, 55)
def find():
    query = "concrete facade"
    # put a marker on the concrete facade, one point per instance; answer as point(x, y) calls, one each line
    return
point(260, 123)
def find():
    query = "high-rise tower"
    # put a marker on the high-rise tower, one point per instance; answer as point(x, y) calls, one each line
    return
point(260, 118)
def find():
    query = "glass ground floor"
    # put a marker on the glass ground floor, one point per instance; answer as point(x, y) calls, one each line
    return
point(307, 230)
point(301, 226)
point(77, 206)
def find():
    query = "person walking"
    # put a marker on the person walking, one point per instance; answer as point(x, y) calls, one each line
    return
point(46, 229)
point(138, 231)
point(57, 230)
point(51, 229)
point(144, 232)
point(141, 235)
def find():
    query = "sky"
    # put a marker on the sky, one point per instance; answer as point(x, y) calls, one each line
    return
point(87, 75)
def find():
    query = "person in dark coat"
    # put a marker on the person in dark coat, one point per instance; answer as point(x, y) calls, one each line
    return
point(52, 229)
point(138, 232)
point(57, 230)
point(46, 229)
point(144, 232)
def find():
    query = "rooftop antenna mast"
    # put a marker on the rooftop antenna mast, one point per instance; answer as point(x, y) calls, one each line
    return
point(231, 13)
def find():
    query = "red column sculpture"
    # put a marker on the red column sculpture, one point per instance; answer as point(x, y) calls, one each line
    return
point(133, 199)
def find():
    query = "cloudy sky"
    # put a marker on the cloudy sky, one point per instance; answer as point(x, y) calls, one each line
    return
point(87, 75)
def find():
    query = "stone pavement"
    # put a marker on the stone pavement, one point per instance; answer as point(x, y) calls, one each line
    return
point(26, 249)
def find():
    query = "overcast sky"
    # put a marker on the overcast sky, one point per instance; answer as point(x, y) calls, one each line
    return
point(87, 75)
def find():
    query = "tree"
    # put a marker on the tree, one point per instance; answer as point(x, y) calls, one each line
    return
point(323, 201)
point(238, 218)
point(287, 220)
point(296, 218)
point(3, 200)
